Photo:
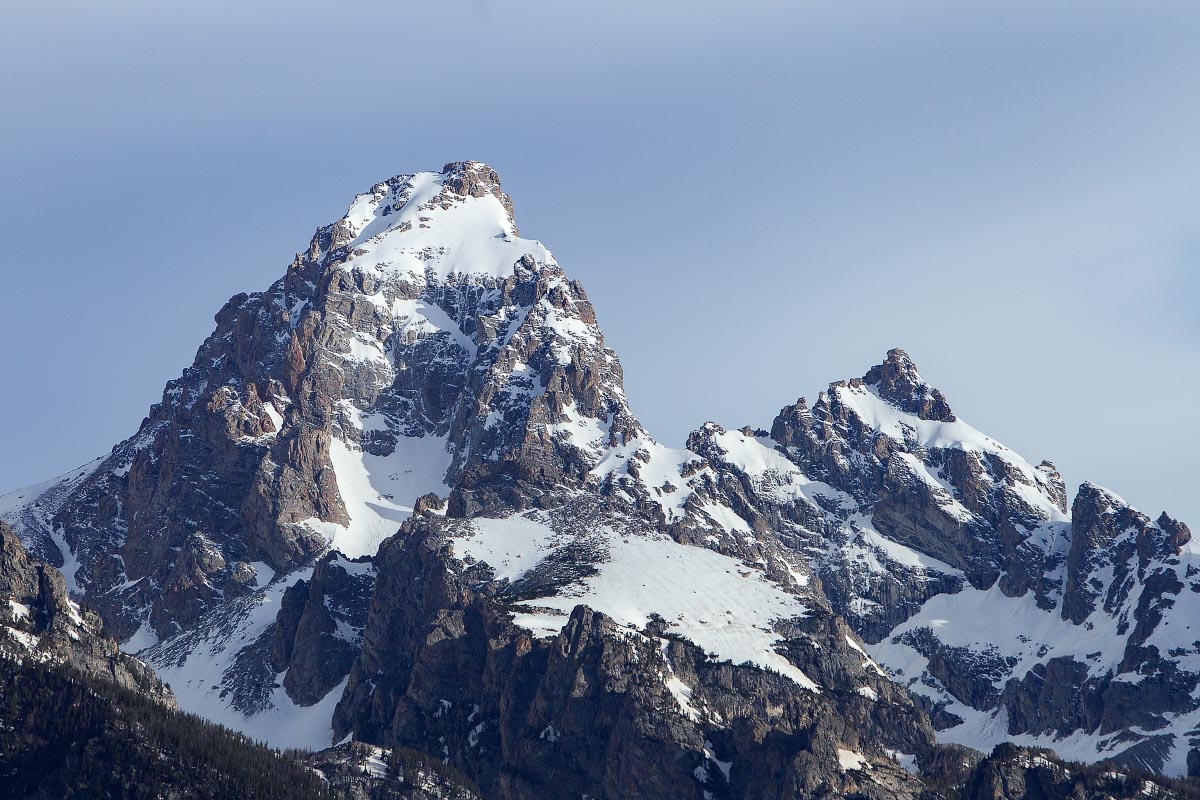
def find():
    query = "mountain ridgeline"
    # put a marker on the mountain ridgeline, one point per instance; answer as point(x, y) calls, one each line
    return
point(399, 502)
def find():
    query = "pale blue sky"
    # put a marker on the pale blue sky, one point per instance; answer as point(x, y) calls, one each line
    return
point(760, 198)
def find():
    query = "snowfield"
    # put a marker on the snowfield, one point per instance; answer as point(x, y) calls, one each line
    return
point(719, 603)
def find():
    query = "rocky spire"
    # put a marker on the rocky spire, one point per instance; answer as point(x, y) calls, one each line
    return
point(1178, 533)
point(476, 179)
point(1106, 533)
point(898, 382)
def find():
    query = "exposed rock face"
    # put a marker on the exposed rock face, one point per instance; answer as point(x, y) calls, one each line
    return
point(898, 382)
point(1106, 534)
point(1015, 773)
point(40, 624)
point(1126, 571)
point(925, 479)
point(319, 628)
point(606, 710)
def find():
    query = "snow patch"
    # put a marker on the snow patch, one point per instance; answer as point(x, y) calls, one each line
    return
point(19, 610)
point(379, 491)
point(70, 562)
point(850, 760)
point(472, 237)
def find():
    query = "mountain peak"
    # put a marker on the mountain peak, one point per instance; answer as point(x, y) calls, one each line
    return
point(477, 179)
point(898, 382)
point(457, 221)
point(1096, 494)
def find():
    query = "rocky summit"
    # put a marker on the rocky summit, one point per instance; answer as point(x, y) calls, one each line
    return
point(399, 504)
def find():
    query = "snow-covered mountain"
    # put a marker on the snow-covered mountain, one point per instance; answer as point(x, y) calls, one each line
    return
point(1007, 614)
point(400, 496)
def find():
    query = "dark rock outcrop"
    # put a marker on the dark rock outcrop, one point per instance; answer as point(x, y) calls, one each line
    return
point(40, 624)
point(1016, 773)
point(319, 627)
point(899, 383)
